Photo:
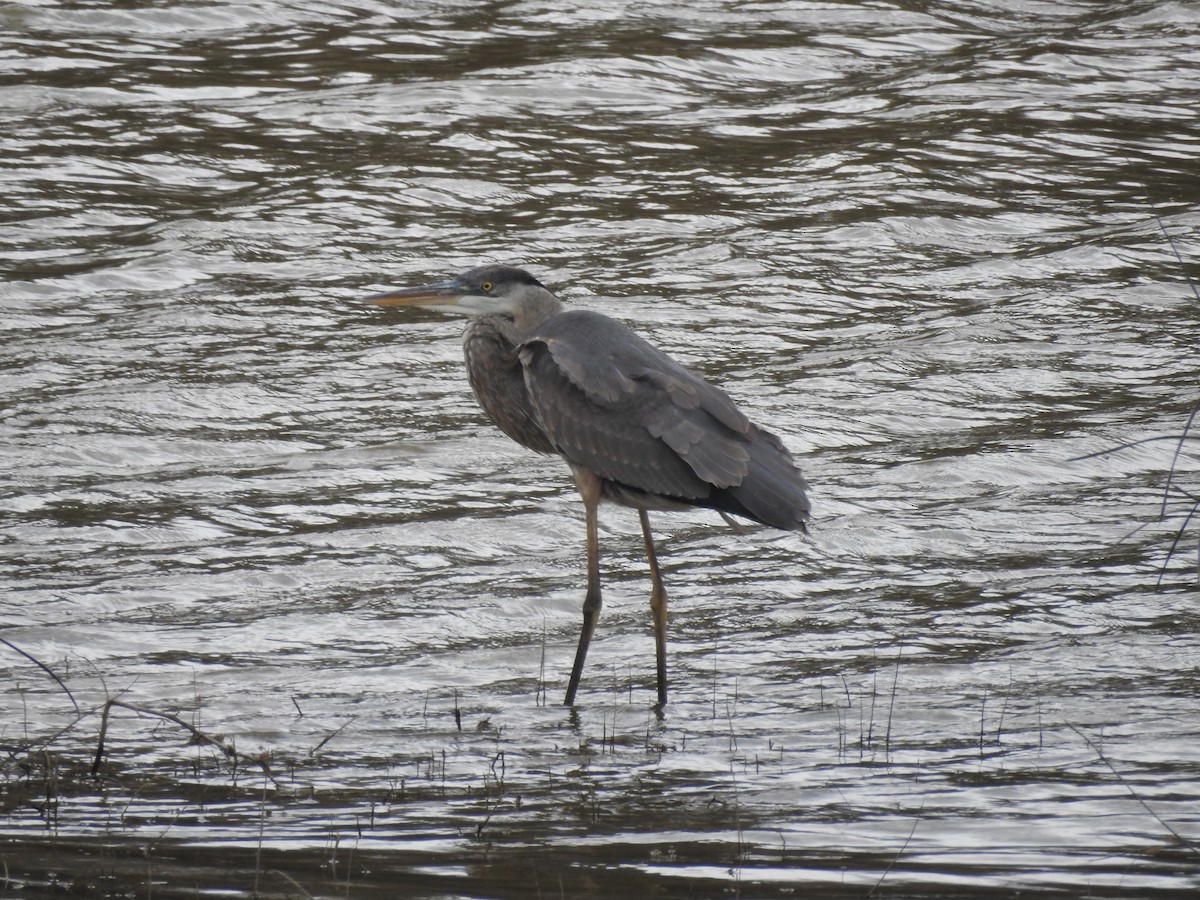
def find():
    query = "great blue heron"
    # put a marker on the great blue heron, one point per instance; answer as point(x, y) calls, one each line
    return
point(636, 428)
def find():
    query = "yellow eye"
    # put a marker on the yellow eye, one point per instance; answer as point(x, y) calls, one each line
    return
point(487, 286)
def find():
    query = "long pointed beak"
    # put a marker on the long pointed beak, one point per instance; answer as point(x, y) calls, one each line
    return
point(443, 294)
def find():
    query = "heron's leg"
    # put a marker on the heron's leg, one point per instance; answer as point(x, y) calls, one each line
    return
point(589, 489)
point(658, 606)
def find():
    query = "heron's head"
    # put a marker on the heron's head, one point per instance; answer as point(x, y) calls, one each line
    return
point(483, 291)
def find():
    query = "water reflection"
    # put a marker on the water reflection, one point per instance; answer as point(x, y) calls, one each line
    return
point(909, 239)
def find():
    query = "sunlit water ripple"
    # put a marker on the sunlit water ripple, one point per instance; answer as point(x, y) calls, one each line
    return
point(926, 246)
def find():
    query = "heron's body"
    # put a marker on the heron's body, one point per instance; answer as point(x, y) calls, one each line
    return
point(637, 428)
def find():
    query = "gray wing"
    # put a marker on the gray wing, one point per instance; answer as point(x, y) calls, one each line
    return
point(612, 402)
point(499, 384)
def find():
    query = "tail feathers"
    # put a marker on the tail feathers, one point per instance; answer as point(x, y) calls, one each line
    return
point(773, 491)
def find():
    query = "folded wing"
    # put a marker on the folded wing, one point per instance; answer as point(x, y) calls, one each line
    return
point(608, 400)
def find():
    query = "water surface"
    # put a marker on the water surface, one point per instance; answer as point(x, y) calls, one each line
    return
point(922, 242)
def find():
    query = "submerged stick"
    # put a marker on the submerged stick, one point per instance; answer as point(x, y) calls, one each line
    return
point(899, 853)
point(1179, 537)
point(1129, 445)
point(45, 668)
point(200, 737)
point(1146, 806)
point(329, 737)
point(1187, 427)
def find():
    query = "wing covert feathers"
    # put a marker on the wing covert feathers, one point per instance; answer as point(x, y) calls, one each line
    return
point(609, 400)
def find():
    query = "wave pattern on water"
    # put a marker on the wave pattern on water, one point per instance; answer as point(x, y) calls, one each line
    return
point(925, 245)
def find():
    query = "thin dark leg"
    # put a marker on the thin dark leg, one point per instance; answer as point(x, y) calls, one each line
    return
point(658, 606)
point(591, 601)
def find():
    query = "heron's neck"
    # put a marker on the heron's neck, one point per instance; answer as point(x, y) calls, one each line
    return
point(535, 307)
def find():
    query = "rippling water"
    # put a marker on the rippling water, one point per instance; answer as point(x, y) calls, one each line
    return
point(924, 242)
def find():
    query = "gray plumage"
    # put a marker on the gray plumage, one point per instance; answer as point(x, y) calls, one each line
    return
point(611, 401)
point(637, 428)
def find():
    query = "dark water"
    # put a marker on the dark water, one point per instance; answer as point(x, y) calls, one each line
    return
point(918, 240)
